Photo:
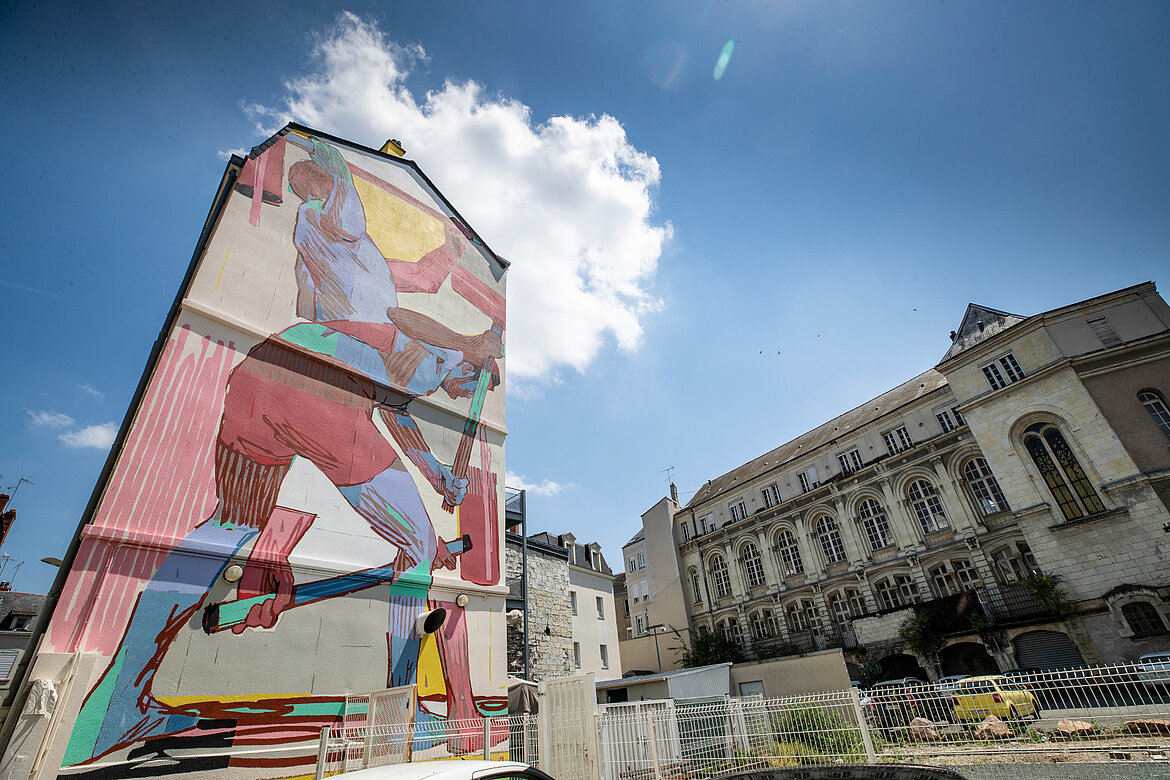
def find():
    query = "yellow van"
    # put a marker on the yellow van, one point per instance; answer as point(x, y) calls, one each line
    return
point(974, 698)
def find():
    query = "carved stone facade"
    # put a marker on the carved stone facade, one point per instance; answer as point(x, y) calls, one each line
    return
point(1016, 493)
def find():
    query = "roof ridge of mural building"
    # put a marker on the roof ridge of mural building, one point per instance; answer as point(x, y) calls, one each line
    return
point(460, 222)
point(825, 433)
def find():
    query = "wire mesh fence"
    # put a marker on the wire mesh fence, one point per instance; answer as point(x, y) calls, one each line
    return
point(1122, 709)
point(1085, 708)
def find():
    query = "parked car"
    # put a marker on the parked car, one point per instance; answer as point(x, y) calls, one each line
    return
point(1154, 669)
point(894, 703)
point(451, 770)
point(974, 698)
point(946, 684)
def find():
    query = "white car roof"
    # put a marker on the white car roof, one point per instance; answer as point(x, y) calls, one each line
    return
point(436, 770)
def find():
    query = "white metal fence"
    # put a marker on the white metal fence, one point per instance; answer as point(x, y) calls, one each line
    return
point(1104, 709)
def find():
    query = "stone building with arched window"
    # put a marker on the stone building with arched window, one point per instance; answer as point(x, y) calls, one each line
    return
point(1017, 492)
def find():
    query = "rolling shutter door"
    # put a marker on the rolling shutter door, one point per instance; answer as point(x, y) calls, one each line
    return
point(1046, 650)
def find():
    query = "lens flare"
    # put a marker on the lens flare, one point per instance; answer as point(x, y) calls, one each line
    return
point(665, 64)
point(724, 58)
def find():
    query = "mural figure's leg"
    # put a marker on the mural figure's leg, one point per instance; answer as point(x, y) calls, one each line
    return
point(391, 504)
point(120, 708)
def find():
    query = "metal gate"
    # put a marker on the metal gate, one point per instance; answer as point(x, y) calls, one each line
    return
point(1046, 650)
point(568, 728)
point(638, 738)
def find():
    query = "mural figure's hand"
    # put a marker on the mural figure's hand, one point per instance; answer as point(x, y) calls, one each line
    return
point(489, 344)
point(270, 577)
point(453, 488)
point(443, 557)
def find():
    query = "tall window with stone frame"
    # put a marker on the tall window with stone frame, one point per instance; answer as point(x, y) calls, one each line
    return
point(789, 552)
point(875, 524)
point(927, 506)
point(752, 566)
point(1061, 471)
point(1143, 619)
point(719, 577)
point(839, 609)
point(950, 578)
point(1156, 405)
point(758, 626)
point(696, 589)
point(737, 510)
point(829, 535)
point(984, 487)
point(1002, 371)
point(945, 421)
point(1014, 563)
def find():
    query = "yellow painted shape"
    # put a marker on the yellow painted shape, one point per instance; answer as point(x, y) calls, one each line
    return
point(430, 668)
point(401, 231)
point(182, 701)
point(301, 134)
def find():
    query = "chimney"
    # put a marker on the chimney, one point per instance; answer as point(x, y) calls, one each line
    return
point(674, 493)
point(393, 147)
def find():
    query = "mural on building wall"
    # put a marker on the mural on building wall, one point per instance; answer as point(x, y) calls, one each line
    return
point(308, 445)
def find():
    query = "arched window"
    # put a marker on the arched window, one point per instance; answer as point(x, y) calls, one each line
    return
point(802, 616)
point(845, 605)
point(950, 578)
point(830, 537)
point(752, 566)
point(877, 527)
point(887, 595)
point(984, 487)
point(1062, 473)
point(1143, 618)
point(719, 577)
point(1156, 406)
point(927, 507)
point(789, 553)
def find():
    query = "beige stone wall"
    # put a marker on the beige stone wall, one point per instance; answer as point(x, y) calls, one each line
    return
point(811, 673)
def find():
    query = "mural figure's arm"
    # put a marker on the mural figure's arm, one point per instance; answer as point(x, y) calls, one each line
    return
point(476, 349)
point(306, 290)
point(407, 435)
point(344, 218)
point(267, 570)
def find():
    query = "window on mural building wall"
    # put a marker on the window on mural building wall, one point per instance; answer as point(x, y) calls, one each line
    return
point(1061, 471)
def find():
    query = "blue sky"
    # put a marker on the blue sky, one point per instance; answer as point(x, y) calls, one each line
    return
point(702, 268)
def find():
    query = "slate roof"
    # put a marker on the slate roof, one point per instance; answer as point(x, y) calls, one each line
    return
point(580, 552)
point(979, 324)
point(839, 428)
point(636, 537)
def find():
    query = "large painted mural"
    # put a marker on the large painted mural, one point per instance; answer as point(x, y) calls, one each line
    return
point(315, 462)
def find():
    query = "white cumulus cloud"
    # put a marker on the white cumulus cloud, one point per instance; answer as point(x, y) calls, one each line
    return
point(50, 419)
point(98, 437)
point(543, 488)
point(568, 200)
point(92, 391)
